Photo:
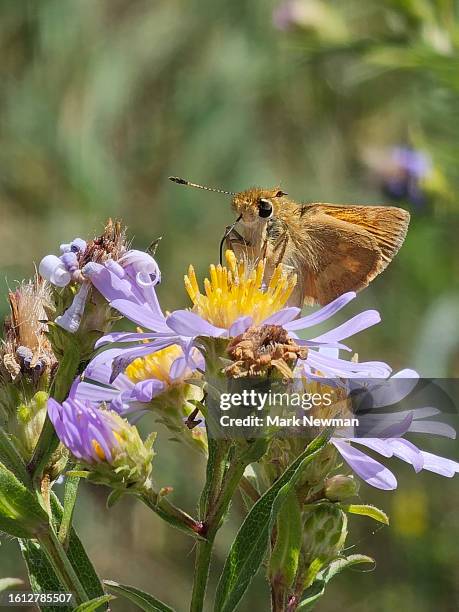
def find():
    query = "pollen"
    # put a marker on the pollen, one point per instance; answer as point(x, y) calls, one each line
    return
point(99, 450)
point(157, 365)
point(236, 290)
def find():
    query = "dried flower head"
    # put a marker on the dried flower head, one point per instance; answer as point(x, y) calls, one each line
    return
point(260, 349)
point(26, 351)
point(111, 244)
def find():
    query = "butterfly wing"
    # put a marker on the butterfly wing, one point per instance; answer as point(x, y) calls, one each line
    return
point(341, 248)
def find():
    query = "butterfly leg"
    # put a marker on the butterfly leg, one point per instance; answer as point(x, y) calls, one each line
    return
point(233, 240)
point(235, 236)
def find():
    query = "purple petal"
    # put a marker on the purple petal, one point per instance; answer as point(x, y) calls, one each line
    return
point(342, 368)
point(389, 392)
point(54, 410)
point(189, 324)
point(95, 393)
point(379, 446)
point(139, 314)
point(124, 337)
point(286, 315)
point(146, 390)
point(178, 368)
point(148, 289)
point(109, 284)
point(121, 362)
point(54, 271)
point(322, 314)
point(433, 427)
point(422, 413)
point(141, 263)
point(239, 326)
point(439, 465)
point(405, 450)
point(395, 430)
point(355, 325)
point(371, 471)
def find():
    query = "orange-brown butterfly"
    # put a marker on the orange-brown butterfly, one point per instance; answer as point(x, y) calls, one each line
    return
point(332, 248)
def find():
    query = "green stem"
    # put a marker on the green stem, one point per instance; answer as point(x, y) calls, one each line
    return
point(216, 468)
point(212, 524)
point(201, 574)
point(61, 565)
point(170, 513)
point(46, 445)
point(250, 491)
point(217, 506)
point(278, 596)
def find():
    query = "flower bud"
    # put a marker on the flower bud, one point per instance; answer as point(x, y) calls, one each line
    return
point(340, 487)
point(53, 270)
point(106, 445)
point(325, 531)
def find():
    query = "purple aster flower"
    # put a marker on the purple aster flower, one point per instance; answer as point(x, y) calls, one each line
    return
point(106, 444)
point(235, 299)
point(157, 382)
point(385, 436)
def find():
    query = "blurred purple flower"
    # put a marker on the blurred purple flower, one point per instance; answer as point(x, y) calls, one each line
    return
point(404, 175)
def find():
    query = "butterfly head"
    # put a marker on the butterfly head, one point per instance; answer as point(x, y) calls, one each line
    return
point(257, 204)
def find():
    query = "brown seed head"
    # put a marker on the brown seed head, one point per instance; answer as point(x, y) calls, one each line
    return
point(111, 244)
point(25, 348)
point(260, 349)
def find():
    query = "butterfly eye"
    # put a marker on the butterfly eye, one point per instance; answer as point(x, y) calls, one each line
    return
point(265, 208)
point(280, 193)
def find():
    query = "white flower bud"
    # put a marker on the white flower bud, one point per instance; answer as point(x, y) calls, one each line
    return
point(53, 270)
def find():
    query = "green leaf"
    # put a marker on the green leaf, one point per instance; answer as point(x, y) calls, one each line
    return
point(41, 574)
point(143, 600)
point(366, 510)
point(77, 556)
point(8, 583)
point(94, 604)
point(20, 513)
point(114, 496)
point(10, 457)
point(317, 589)
point(249, 547)
point(339, 565)
point(70, 493)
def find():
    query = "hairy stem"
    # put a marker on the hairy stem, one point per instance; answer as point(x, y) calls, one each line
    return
point(278, 596)
point(217, 504)
point(201, 574)
point(61, 565)
point(170, 513)
point(216, 473)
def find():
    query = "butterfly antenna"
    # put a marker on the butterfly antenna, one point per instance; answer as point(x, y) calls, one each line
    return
point(181, 181)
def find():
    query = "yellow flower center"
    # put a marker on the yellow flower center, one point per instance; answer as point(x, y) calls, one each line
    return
point(98, 448)
point(235, 290)
point(157, 365)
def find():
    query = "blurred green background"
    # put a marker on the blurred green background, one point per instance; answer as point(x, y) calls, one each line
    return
point(102, 100)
